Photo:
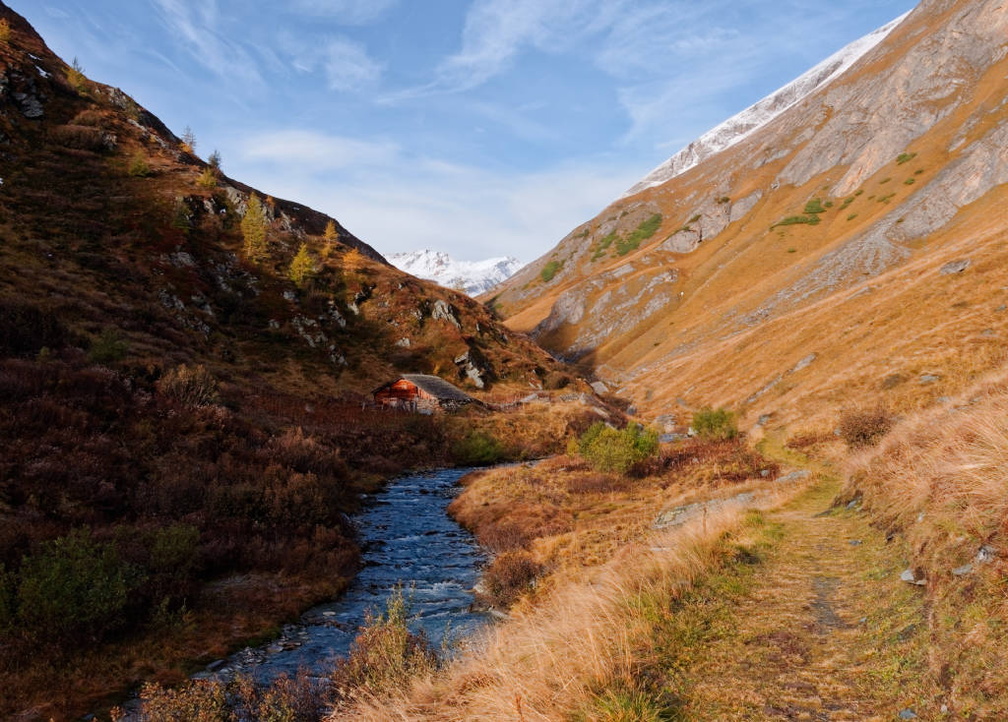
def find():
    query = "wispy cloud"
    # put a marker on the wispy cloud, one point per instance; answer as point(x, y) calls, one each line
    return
point(346, 12)
point(346, 63)
point(195, 25)
point(306, 151)
point(497, 30)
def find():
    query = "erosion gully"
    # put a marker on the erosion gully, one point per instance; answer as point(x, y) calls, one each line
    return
point(408, 541)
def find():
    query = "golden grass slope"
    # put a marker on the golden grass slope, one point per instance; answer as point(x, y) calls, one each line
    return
point(893, 171)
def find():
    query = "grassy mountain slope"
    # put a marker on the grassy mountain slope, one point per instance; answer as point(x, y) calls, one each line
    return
point(806, 266)
point(181, 418)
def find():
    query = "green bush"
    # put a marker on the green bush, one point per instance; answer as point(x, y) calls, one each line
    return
point(717, 423)
point(139, 167)
point(797, 220)
point(814, 206)
point(72, 589)
point(108, 347)
point(643, 232)
point(550, 270)
point(905, 158)
point(603, 246)
point(477, 449)
point(609, 449)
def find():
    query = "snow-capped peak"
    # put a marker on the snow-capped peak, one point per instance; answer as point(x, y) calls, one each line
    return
point(740, 126)
point(470, 277)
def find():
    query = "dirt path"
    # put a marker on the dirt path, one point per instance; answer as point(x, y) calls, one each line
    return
point(824, 629)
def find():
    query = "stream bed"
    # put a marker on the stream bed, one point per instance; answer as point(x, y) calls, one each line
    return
point(407, 539)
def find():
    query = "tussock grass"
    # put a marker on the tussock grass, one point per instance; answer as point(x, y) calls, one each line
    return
point(940, 478)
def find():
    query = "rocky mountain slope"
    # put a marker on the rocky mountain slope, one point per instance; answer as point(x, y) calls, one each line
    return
point(470, 277)
point(849, 248)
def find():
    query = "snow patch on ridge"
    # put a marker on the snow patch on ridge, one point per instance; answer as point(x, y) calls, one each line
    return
point(470, 277)
point(740, 126)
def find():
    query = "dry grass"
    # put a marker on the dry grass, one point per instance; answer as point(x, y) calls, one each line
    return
point(941, 479)
point(551, 661)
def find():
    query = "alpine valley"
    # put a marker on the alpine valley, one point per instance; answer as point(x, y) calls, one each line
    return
point(758, 409)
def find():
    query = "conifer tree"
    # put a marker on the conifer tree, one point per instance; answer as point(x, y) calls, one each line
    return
point(302, 267)
point(331, 234)
point(253, 228)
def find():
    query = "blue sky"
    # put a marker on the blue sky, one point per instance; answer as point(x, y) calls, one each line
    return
point(477, 127)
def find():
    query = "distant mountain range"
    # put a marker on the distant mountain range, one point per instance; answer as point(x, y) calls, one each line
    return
point(470, 277)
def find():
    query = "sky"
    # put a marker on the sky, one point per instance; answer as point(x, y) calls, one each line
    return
point(481, 128)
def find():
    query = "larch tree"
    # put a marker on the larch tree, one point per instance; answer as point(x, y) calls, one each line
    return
point(302, 267)
point(253, 227)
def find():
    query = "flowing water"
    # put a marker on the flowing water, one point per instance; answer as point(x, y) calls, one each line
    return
point(408, 539)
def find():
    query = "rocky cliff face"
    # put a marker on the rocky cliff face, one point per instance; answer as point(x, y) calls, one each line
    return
point(877, 169)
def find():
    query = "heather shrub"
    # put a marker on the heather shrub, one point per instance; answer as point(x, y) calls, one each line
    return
point(385, 656)
point(712, 424)
point(509, 575)
point(609, 449)
point(197, 701)
point(189, 385)
point(25, 329)
point(862, 427)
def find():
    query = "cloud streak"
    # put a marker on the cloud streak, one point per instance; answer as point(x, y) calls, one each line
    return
point(196, 26)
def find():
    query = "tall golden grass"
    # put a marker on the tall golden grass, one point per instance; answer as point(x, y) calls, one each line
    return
point(940, 479)
point(556, 659)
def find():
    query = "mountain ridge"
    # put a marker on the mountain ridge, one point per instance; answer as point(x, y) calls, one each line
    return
point(748, 121)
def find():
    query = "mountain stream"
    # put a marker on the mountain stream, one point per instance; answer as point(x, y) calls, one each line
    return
point(407, 540)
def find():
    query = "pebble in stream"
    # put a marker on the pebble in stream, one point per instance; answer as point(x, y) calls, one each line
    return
point(408, 539)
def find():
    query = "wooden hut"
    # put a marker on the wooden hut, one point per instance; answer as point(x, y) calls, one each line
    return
point(421, 392)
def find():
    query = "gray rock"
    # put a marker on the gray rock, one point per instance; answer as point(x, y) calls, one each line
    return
point(908, 714)
point(986, 554)
point(599, 387)
point(954, 267)
point(681, 514)
point(763, 420)
point(928, 379)
point(443, 311)
point(855, 542)
point(794, 476)
point(910, 577)
point(963, 570)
